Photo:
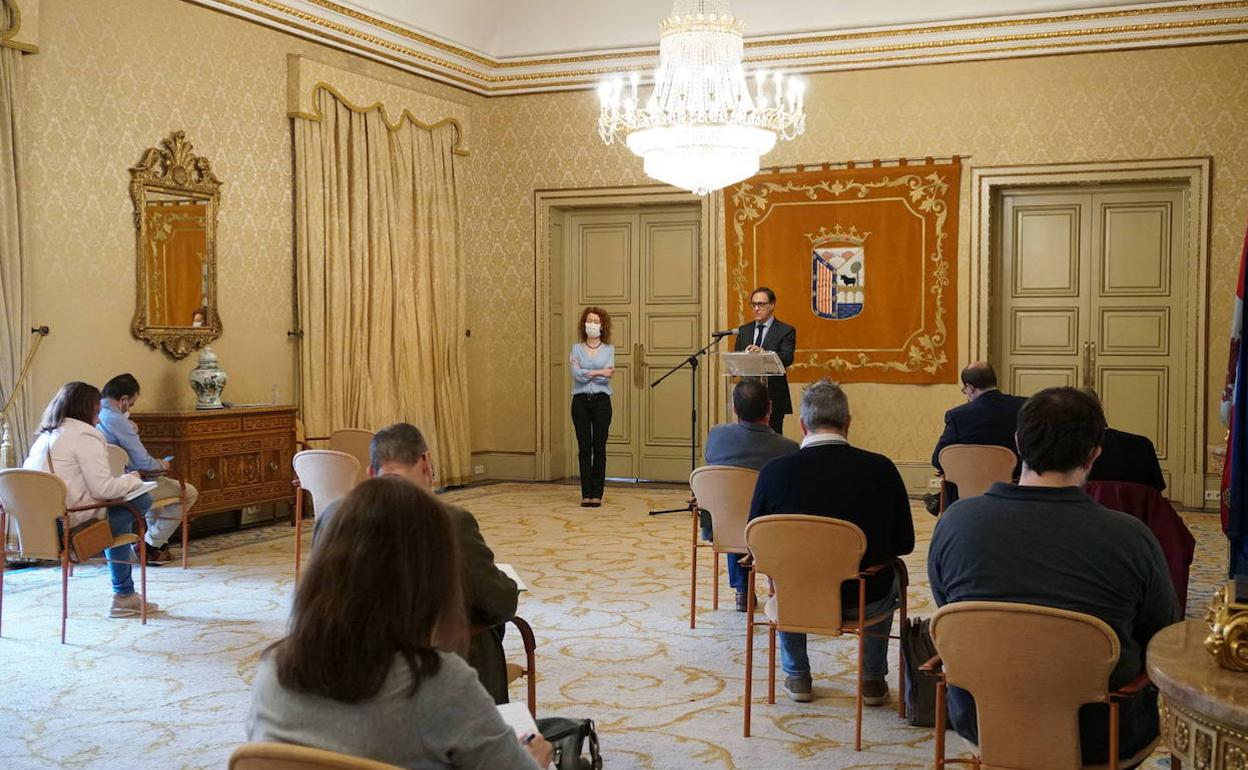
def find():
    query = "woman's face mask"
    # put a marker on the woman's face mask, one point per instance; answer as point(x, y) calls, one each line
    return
point(592, 330)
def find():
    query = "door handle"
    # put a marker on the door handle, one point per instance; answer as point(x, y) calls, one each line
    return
point(1091, 377)
point(639, 364)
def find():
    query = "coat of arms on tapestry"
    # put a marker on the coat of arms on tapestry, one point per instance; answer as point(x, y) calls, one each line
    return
point(863, 261)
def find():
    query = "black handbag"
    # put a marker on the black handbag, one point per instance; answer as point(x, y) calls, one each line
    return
point(916, 649)
point(569, 738)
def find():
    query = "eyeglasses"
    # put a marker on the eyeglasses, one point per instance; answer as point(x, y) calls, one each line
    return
point(760, 304)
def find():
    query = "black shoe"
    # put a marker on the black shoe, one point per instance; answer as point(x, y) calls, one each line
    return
point(743, 601)
point(158, 556)
point(874, 692)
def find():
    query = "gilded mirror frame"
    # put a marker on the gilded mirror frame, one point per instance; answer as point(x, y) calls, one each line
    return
point(174, 170)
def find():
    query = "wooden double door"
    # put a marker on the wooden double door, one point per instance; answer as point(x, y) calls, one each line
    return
point(644, 267)
point(1091, 293)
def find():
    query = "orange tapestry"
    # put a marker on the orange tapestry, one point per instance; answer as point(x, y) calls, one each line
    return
point(863, 262)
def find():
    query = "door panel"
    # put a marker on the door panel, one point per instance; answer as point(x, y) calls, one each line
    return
point(604, 252)
point(1090, 288)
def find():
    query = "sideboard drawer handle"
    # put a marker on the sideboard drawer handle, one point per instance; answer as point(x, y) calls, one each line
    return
point(210, 474)
point(273, 465)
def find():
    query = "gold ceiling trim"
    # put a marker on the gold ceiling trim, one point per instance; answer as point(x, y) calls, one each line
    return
point(6, 38)
point(392, 126)
point(489, 84)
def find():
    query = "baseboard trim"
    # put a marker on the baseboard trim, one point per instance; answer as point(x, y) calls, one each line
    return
point(505, 466)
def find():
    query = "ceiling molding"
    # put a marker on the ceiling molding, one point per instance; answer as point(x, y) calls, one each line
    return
point(1146, 26)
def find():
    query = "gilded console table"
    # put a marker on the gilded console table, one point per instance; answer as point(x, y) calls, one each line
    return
point(1204, 708)
point(234, 457)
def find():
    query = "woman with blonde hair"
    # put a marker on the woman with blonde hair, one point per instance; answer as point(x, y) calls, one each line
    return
point(367, 668)
point(593, 363)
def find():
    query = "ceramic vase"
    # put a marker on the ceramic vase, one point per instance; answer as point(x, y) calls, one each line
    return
point(208, 379)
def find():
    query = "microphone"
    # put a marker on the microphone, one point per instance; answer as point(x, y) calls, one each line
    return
point(724, 333)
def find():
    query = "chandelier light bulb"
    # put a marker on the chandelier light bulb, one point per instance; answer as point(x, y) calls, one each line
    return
point(700, 128)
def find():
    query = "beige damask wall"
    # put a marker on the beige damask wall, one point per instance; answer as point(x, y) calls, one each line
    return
point(1125, 105)
point(112, 78)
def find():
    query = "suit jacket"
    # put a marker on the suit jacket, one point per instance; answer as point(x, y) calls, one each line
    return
point(991, 418)
point(746, 445)
point(1128, 457)
point(782, 339)
point(843, 482)
point(491, 598)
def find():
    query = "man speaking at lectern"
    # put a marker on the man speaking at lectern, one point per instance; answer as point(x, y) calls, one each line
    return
point(767, 332)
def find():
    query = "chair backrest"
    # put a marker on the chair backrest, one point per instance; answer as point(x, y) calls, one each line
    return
point(355, 442)
point(807, 559)
point(726, 492)
point(975, 467)
point(326, 474)
point(33, 500)
point(117, 459)
point(286, 756)
point(1029, 669)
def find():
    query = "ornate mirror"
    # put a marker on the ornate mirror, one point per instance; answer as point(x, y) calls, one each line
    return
point(175, 198)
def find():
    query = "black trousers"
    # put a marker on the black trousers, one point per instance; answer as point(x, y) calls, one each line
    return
point(591, 416)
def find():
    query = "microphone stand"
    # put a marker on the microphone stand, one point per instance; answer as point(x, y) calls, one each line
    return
point(692, 361)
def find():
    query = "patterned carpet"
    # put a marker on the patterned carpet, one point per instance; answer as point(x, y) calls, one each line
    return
point(608, 600)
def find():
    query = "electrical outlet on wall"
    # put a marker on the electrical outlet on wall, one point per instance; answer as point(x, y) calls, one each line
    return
point(1213, 495)
point(933, 483)
point(478, 470)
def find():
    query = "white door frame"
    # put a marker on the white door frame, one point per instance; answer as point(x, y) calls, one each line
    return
point(647, 195)
point(1196, 173)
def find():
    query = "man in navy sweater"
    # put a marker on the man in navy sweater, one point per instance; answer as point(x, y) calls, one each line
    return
point(828, 477)
point(1045, 542)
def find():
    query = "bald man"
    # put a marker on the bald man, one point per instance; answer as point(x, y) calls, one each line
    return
point(988, 416)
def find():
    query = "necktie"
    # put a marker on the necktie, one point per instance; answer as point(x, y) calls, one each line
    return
point(758, 334)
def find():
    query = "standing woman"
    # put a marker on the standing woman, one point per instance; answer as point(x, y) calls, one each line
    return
point(593, 363)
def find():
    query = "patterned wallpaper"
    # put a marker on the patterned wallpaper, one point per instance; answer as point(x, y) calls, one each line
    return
point(111, 79)
point(1105, 106)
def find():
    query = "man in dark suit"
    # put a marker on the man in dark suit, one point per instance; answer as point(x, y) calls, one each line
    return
point(988, 417)
point(746, 443)
point(766, 332)
point(401, 450)
point(828, 477)
point(1126, 457)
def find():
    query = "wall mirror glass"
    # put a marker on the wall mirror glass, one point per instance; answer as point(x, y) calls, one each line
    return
point(175, 197)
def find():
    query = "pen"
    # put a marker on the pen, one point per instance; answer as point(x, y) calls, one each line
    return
point(526, 740)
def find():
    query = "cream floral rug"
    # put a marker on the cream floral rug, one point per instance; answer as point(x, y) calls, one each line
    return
point(608, 599)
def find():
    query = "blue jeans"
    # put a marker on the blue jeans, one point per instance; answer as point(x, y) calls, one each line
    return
point(875, 647)
point(121, 522)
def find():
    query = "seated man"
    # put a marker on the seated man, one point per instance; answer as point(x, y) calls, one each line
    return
point(1126, 457)
point(119, 394)
point(747, 443)
point(828, 477)
point(400, 450)
point(988, 417)
point(1045, 542)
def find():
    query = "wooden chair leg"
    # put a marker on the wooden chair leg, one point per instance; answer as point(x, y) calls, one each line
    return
point(901, 660)
point(4, 552)
point(142, 580)
point(771, 664)
point(1113, 735)
point(64, 591)
point(715, 578)
point(862, 640)
point(749, 654)
point(298, 544)
point(186, 531)
point(940, 724)
point(693, 573)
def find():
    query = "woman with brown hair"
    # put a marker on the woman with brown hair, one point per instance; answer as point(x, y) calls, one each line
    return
point(73, 449)
point(593, 363)
point(363, 670)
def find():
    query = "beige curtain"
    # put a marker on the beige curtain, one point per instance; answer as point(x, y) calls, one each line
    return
point(14, 330)
point(380, 294)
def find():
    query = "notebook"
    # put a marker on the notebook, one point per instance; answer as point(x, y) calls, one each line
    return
point(510, 572)
point(518, 718)
point(144, 488)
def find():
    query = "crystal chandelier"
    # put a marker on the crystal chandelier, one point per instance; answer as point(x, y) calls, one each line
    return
point(701, 128)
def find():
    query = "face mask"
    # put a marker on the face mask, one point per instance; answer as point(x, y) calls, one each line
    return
point(593, 330)
point(197, 323)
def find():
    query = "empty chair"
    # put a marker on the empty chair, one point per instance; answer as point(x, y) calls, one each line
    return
point(1030, 669)
point(352, 441)
point(327, 476)
point(807, 559)
point(286, 756)
point(725, 493)
point(32, 502)
point(973, 468)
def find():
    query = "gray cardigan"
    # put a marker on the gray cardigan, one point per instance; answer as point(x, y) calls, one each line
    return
point(450, 722)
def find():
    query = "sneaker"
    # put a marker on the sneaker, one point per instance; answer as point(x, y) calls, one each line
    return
point(157, 556)
point(798, 688)
point(743, 601)
point(129, 606)
point(874, 692)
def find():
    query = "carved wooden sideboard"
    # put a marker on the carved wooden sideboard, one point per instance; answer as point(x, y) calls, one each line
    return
point(235, 457)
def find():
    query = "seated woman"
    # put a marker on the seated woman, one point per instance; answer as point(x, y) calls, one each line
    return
point(361, 672)
point(71, 447)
